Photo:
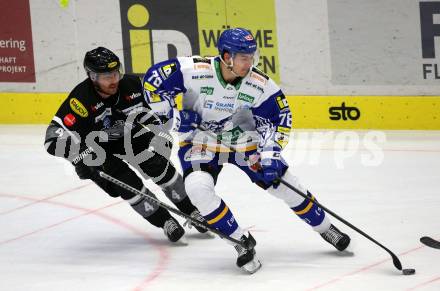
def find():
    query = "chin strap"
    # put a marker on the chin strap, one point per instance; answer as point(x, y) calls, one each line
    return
point(229, 66)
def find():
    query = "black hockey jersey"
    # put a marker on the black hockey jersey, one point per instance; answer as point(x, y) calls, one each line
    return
point(84, 111)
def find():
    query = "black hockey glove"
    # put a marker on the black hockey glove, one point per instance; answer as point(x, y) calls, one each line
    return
point(86, 172)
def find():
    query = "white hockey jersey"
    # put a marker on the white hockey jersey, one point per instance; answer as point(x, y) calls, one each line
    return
point(248, 114)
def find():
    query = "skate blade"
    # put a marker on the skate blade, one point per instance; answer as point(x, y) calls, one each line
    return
point(252, 267)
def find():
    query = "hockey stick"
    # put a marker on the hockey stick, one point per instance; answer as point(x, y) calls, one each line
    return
point(430, 242)
point(171, 209)
point(396, 260)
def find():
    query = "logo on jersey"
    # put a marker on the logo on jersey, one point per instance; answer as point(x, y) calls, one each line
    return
point(282, 102)
point(168, 70)
point(132, 96)
point(201, 77)
point(106, 122)
point(69, 120)
point(154, 97)
point(208, 104)
point(282, 136)
point(231, 135)
point(255, 86)
point(78, 108)
point(149, 87)
point(207, 90)
point(224, 107)
point(245, 97)
point(97, 106)
point(258, 78)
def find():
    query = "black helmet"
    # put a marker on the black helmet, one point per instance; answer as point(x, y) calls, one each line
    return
point(101, 60)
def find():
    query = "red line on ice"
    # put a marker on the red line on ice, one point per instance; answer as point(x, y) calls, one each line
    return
point(163, 253)
point(36, 201)
point(363, 269)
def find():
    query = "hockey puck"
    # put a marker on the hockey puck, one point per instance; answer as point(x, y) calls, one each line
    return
point(408, 271)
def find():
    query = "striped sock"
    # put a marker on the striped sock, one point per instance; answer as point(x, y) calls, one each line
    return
point(222, 219)
point(309, 211)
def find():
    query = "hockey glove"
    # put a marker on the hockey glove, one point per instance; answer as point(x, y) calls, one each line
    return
point(272, 168)
point(187, 120)
point(85, 172)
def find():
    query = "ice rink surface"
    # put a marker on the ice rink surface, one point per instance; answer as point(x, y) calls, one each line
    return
point(60, 233)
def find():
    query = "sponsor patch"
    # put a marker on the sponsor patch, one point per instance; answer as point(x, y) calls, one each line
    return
point(97, 106)
point(202, 60)
point(69, 120)
point(132, 96)
point(258, 78)
point(231, 135)
point(282, 139)
point(258, 72)
point(283, 129)
point(112, 65)
point(78, 108)
point(245, 97)
point(149, 87)
point(168, 70)
point(224, 107)
point(201, 77)
point(208, 104)
point(282, 102)
point(202, 66)
point(207, 90)
point(155, 98)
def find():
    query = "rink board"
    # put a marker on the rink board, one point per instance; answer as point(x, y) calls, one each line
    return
point(309, 112)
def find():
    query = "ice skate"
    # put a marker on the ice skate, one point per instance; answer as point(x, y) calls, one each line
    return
point(336, 238)
point(247, 259)
point(174, 231)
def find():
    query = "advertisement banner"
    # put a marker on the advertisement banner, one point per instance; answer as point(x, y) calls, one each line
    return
point(16, 50)
point(384, 42)
point(154, 31)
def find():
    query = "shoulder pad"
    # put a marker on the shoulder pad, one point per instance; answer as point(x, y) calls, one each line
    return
point(259, 72)
point(167, 70)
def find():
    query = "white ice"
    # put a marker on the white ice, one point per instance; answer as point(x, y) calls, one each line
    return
point(60, 233)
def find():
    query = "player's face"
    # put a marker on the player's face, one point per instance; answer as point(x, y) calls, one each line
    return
point(242, 63)
point(108, 82)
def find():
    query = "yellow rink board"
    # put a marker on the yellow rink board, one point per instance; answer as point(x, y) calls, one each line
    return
point(375, 112)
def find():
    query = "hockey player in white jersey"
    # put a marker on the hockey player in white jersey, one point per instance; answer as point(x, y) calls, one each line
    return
point(233, 100)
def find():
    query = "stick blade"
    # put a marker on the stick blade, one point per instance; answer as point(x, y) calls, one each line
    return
point(430, 242)
point(396, 262)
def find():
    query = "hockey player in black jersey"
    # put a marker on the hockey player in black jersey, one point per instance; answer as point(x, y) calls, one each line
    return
point(104, 124)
